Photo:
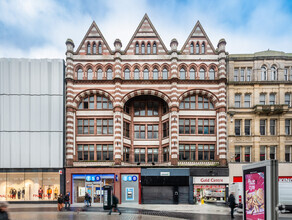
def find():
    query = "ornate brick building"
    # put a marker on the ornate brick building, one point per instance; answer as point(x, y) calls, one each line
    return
point(142, 106)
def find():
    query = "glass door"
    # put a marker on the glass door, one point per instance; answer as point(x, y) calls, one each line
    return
point(97, 192)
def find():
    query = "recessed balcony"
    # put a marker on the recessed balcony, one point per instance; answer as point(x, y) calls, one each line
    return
point(270, 109)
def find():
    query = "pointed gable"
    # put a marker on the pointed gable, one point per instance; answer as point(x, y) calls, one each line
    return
point(198, 35)
point(92, 36)
point(146, 33)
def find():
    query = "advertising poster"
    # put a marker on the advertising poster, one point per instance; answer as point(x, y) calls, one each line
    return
point(255, 196)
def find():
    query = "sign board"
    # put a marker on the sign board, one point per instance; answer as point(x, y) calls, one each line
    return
point(211, 180)
point(129, 194)
point(130, 178)
point(81, 191)
point(285, 179)
point(60, 172)
point(260, 184)
point(164, 173)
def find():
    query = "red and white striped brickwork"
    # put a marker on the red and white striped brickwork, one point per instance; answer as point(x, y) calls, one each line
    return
point(119, 91)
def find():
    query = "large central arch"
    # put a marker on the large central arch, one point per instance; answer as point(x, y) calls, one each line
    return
point(139, 92)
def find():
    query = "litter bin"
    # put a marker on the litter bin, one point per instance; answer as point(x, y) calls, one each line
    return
point(107, 197)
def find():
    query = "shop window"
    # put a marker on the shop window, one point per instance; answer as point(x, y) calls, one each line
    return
point(152, 131)
point(99, 74)
point(152, 155)
point(139, 155)
point(35, 190)
point(192, 74)
point(182, 73)
point(273, 152)
point(288, 153)
point(155, 74)
point(262, 99)
point(165, 126)
point(263, 127)
point(103, 103)
point(237, 154)
point(104, 126)
point(187, 126)
point(235, 76)
point(109, 74)
point(146, 74)
point(164, 74)
point(166, 154)
point(211, 74)
point(247, 154)
point(127, 73)
point(154, 48)
point(104, 152)
point(237, 100)
point(85, 126)
point(89, 74)
point(136, 74)
point(79, 74)
point(139, 131)
point(126, 129)
point(288, 126)
point(187, 152)
point(262, 153)
point(126, 154)
point(206, 126)
point(273, 126)
point(247, 123)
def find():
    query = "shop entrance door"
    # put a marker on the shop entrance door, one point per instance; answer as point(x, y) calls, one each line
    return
point(95, 190)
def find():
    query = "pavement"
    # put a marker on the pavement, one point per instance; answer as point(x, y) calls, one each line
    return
point(129, 212)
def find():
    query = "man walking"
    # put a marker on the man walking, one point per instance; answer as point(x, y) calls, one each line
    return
point(67, 201)
point(115, 205)
point(231, 202)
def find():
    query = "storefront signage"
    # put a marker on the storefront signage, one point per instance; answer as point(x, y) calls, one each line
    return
point(211, 180)
point(96, 177)
point(164, 173)
point(285, 179)
point(130, 178)
point(209, 187)
point(60, 172)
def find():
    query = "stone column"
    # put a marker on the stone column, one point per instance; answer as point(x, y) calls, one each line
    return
point(221, 107)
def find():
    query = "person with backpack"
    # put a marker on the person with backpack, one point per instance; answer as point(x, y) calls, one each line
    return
point(115, 205)
point(231, 202)
point(86, 200)
point(67, 200)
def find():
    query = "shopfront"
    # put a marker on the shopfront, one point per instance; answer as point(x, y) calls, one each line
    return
point(30, 185)
point(130, 188)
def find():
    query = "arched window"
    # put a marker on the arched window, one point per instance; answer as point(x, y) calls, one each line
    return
point(99, 48)
point(80, 74)
point(155, 74)
point(197, 48)
point(143, 48)
point(127, 73)
point(192, 48)
point(273, 73)
point(109, 74)
point(182, 73)
point(148, 48)
point(89, 74)
point(196, 102)
point(264, 73)
point(88, 48)
point(211, 74)
point(203, 47)
point(99, 74)
point(164, 74)
point(146, 74)
point(103, 103)
point(202, 73)
point(137, 48)
point(154, 48)
point(94, 48)
point(136, 74)
point(192, 74)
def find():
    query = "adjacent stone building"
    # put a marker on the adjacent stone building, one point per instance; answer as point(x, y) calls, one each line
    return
point(259, 110)
point(144, 106)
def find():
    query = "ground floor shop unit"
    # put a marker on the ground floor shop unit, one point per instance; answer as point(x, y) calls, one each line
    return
point(124, 182)
point(31, 185)
point(209, 184)
point(165, 186)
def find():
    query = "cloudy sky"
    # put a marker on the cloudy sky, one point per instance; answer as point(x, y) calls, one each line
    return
point(39, 28)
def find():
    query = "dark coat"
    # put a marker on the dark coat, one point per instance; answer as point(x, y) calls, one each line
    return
point(231, 201)
point(60, 200)
point(66, 198)
point(3, 215)
point(115, 201)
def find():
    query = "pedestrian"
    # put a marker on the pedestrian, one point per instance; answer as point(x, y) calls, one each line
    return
point(3, 211)
point(67, 201)
point(115, 205)
point(89, 200)
point(60, 202)
point(86, 200)
point(231, 203)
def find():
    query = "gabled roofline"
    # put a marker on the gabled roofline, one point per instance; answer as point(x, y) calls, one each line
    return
point(198, 24)
point(138, 28)
point(86, 35)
